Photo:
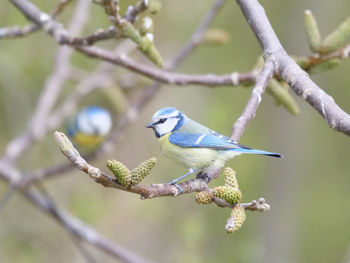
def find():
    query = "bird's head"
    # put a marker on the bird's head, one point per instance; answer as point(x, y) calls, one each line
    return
point(94, 120)
point(166, 120)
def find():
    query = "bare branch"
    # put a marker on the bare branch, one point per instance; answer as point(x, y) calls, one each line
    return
point(7, 197)
point(80, 230)
point(140, 102)
point(248, 114)
point(51, 89)
point(254, 205)
point(60, 7)
point(62, 37)
point(146, 192)
point(73, 225)
point(160, 75)
point(17, 31)
point(290, 72)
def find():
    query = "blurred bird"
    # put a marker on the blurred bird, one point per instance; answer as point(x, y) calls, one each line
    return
point(193, 145)
point(90, 126)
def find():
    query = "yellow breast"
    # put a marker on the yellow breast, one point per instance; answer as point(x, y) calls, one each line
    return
point(87, 140)
point(196, 158)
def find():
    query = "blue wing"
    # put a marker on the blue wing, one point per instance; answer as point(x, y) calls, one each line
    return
point(203, 140)
point(213, 141)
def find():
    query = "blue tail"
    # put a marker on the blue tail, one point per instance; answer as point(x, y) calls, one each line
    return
point(253, 151)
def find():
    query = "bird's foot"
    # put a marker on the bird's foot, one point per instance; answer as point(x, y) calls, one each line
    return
point(203, 175)
point(179, 188)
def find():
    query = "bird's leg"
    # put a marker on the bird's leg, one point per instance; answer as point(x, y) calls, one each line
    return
point(190, 171)
point(174, 182)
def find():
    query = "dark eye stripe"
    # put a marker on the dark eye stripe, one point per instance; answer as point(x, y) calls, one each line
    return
point(161, 121)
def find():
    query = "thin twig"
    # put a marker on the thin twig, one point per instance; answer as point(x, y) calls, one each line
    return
point(7, 197)
point(21, 31)
point(17, 31)
point(164, 76)
point(250, 109)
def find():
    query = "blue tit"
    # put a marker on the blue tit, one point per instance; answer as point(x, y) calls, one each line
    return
point(90, 126)
point(194, 145)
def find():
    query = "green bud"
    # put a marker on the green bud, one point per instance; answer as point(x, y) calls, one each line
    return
point(259, 62)
point(312, 31)
point(120, 171)
point(230, 177)
point(141, 171)
point(153, 6)
point(63, 142)
point(228, 193)
point(148, 48)
point(282, 96)
point(337, 38)
point(237, 219)
point(129, 31)
point(303, 62)
point(204, 197)
point(146, 25)
point(325, 66)
point(216, 36)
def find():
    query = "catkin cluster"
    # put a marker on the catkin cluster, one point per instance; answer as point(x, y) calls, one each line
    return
point(125, 177)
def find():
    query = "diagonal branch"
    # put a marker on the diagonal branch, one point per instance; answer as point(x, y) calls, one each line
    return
point(138, 104)
point(164, 76)
point(51, 89)
point(18, 31)
point(61, 35)
point(250, 109)
point(73, 225)
point(80, 230)
point(289, 71)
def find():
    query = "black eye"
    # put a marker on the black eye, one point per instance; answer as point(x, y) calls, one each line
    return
point(162, 120)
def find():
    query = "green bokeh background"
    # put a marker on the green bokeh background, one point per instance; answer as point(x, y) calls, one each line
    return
point(308, 189)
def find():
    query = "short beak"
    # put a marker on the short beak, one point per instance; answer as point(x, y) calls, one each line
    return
point(149, 125)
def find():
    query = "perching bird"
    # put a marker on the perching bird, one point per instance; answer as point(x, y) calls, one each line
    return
point(193, 145)
point(90, 126)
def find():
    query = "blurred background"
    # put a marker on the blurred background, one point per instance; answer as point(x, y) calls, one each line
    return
point(308, 189)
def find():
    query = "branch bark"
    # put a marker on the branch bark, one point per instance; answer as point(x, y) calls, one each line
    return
point(80, 230)
point(51, 88)
point(289, 71)
point(250, 109)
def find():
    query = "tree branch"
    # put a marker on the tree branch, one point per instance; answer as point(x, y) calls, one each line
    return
point(139, 102)
point(250, 109)
point(52, 86)
point(146, 192)
point(80, 230)
point(290, 72)
point(164, 76)
point(71, 224)
point(18, 31)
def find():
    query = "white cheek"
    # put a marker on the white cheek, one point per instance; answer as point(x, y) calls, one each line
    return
point(167, 126)
point(97, 123)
